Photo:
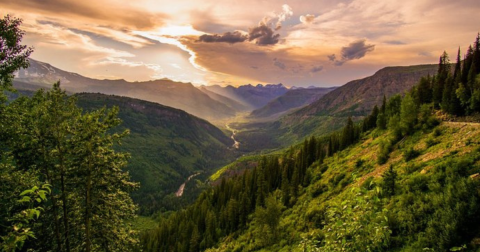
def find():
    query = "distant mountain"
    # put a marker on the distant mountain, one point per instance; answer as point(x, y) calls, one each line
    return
point(292, 99)
point(233, 104)
point(179, 95)
point(251, 96)
point(329, 113)
point(359, 96)
point(167, 145)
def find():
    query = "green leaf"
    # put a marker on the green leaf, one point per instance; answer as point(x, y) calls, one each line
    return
point(29, 191)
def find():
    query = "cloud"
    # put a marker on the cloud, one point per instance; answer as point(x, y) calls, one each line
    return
point(228, 37)
point(279, 64)
point(355, 50)
point(286, 13)
point(395, 42)
point(307, 19)
point(114, 14)
point(263, 35)
point(316, 69)
point(332, 57)
point(425, 54)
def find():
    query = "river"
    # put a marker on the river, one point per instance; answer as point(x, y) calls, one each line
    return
point(236, 144)
point(180, 190)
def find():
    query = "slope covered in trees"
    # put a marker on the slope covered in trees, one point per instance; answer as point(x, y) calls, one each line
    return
point(399, 181)
point(167, 145)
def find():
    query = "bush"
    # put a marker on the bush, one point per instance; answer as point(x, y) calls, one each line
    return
point(384, 152)
point(408, 169)
point(345, 181)
point(338, 178)
point(368, 184)
point(431, 142)
point(318, 189)
point(410, 154)
point(437, 132)
point(359, 163)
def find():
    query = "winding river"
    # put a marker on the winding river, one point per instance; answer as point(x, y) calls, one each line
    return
point(180, 190)
point(236, 144)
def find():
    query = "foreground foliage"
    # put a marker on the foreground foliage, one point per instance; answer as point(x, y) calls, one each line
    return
point(63, 164)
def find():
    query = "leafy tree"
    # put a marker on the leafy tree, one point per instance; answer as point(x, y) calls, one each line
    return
point(21, 223)
point(13, 55)
point(269, 216)
point(408, 114)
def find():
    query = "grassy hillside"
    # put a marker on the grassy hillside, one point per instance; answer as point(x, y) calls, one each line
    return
point(434, 205)
point(167, 145)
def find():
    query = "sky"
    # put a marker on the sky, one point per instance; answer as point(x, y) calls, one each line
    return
point(236, 42)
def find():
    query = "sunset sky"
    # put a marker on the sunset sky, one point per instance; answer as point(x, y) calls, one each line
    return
point(294, 42)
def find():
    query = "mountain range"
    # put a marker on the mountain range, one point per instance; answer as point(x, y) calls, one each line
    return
point(179, 95)
point(209, 102)
point(329, 113)
point(292, 99)
point(251, 96)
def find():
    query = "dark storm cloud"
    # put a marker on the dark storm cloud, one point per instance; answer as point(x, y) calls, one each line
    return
point(263, 35)
point(228, 37)
point(355, 50)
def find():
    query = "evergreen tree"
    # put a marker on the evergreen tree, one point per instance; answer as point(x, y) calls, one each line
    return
point(389, 180)
point(348, 134)
point(458, 66)
point(467, 64)
point(440, 81)
point(476, 54)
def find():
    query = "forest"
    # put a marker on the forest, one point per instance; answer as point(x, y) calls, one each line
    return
point(397, 212)
point(64, 186)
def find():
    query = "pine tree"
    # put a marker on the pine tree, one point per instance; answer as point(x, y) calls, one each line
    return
point(348, 133)
point(440, 81)
point(389, 180)
point(476, 54)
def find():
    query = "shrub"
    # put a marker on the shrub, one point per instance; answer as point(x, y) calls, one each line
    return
point(384, 152)
point(410, 153)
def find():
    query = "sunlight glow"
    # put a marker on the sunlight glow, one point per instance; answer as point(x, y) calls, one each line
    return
point(178, 31)
point(162, 38)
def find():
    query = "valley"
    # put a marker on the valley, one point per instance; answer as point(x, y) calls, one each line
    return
point(189, 160)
